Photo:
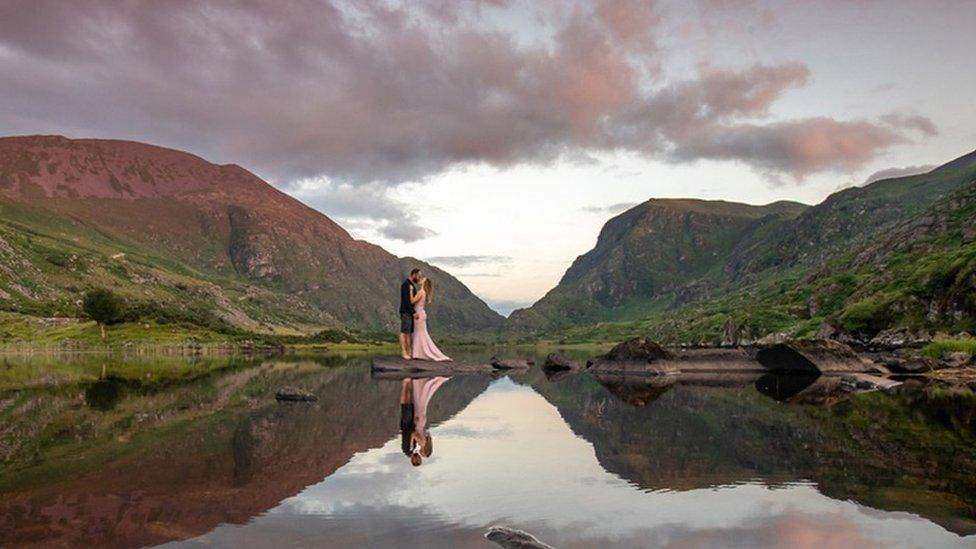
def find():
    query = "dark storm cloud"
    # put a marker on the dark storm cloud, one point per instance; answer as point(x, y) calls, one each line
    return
point(368, 91)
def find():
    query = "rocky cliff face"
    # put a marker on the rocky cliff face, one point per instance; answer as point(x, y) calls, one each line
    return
point(846, 258)
point(176, 212)
point(651, 253)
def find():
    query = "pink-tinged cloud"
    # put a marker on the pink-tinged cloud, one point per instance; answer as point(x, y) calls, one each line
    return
point(374, 91)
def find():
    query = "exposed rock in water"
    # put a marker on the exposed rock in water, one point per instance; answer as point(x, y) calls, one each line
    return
point(638, 348)
point(559, 361)
point(859, 383)
point(814, 356)
point(510, 363)
point(288, 394)
point(510, 538)
point(899, 337)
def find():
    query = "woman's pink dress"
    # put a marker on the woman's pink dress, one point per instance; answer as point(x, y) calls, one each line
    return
point(423, 391)
point(423, 345)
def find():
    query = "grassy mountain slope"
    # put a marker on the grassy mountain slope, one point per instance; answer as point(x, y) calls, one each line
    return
point(167, 228)
point(894, 253)
point(645, 257)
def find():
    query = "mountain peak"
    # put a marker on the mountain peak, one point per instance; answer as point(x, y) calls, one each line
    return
point(965, 161)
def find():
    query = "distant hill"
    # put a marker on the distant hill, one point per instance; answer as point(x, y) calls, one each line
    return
point(896, 252)
point(168, 228)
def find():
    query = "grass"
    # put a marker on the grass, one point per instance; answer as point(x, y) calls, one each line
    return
point(941, 346)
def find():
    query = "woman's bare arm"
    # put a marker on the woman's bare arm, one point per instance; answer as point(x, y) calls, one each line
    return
point(416, 297)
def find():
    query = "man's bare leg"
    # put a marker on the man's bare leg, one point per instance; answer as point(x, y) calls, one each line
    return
point(406, 391)
point(404, 346)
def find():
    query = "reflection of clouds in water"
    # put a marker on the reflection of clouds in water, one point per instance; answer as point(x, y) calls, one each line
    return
point(463, 431)
point(509, 458)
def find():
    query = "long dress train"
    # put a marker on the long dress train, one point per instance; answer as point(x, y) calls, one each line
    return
point(423, 346)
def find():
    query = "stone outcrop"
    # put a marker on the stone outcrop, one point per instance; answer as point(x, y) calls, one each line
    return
point(814, 356)
point(510, 538)
point(289, 394)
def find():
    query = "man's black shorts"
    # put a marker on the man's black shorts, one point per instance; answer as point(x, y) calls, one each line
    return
point(406, 323)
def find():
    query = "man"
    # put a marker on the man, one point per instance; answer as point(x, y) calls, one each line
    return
point(407, 291)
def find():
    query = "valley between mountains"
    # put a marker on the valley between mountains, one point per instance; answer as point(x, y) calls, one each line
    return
point(201, 250)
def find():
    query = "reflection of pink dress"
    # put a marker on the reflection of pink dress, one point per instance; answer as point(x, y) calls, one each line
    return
point(423, 390)
point(423, 345)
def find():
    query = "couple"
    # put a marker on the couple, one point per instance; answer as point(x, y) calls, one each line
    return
point(415, 293)
point(415, 394)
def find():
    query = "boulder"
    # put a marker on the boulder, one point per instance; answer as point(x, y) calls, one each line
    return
point(510, 363)
point(510, 538)
point(956, 359)
point(836, 333)
point(773, 338)
point(559, 361)
point(899, 337)
point(638, 348)
point(824, 356)
point(288, 394)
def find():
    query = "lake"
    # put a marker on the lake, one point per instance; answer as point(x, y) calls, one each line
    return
point(128, 452)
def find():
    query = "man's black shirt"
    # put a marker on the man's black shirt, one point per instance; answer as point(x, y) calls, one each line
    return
point(406, 308)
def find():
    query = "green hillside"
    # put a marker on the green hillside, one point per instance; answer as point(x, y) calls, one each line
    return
point(895, 253)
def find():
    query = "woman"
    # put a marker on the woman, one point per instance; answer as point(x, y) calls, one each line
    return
point(421, 443)
point(423, 345)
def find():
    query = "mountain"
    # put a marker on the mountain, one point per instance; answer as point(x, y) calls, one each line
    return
point(173, 231)
point(963, 162)
point(645, 257)
point(895, 253)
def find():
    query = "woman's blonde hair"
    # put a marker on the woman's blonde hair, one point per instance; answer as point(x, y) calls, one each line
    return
point(428, 290)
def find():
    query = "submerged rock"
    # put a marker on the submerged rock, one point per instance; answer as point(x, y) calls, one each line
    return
point(288, 394)
point(510, 538)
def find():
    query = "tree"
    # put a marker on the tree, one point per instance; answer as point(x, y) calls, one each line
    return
point(102, 306)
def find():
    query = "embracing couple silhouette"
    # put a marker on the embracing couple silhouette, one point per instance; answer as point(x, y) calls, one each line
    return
point(416, 293)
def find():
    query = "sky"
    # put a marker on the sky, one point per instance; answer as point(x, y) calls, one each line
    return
point(494, 138)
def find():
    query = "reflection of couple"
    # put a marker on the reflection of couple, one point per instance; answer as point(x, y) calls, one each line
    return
point(415, 395)
point(415, 342)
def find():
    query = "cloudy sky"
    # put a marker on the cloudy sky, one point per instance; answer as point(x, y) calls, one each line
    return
point(495, 137)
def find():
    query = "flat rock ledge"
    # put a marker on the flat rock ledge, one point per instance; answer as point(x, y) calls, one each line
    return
point(397, 368)
point(288, 394)
point(815, 356)
point(641, 356)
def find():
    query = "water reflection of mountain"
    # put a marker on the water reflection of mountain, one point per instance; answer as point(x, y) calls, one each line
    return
point(220, 466)
point(908, 450)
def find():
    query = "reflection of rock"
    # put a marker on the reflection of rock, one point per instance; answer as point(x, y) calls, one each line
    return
point(510, 538)
point(784, 387)
point(103, 394)
point(636, 390)
point(813, 356)
point(289, 394)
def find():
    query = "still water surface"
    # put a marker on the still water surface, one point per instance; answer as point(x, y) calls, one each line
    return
point(161, 453)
